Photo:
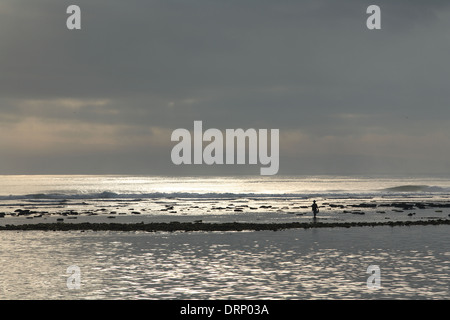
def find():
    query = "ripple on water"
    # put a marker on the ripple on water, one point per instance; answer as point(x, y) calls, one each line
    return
point(291, 264)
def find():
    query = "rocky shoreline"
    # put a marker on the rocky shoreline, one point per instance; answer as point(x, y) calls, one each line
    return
point(222, 215)
point(32, 211)
point(200, 226)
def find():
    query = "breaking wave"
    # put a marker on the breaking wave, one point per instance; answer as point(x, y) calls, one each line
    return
point(417, 188)
point(403, 190)
point(132, 196)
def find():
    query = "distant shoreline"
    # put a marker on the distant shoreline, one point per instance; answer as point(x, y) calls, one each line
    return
point(199, 226)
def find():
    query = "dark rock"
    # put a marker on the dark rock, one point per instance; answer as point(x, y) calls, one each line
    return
point(197, 226)
point(23, 212)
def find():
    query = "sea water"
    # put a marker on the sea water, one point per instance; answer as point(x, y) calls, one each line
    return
point(57, 187)
point(291, 264)
point(215, 199)
point(326, 263)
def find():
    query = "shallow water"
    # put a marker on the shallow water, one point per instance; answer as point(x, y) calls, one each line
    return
point(293, 264)
point(279, 199)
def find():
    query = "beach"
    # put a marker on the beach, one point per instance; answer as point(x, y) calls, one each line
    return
point(258, 242)
point(224, 150)
point(198, 214)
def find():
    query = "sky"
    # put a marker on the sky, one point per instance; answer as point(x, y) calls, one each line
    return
point(105, 99)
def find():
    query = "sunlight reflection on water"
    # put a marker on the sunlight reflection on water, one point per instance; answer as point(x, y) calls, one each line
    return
point(291, 264)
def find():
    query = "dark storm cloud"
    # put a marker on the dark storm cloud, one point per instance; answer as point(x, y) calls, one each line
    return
point(172, 48)
point(309, 68)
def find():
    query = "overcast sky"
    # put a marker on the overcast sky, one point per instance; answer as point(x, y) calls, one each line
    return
point(106, 98)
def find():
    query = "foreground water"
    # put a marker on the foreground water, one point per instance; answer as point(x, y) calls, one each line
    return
point(326, 263)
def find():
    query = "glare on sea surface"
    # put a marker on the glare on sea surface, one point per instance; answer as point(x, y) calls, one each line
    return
point(290, 264)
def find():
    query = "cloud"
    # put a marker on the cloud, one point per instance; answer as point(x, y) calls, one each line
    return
point(34, 136)
point(139, 69)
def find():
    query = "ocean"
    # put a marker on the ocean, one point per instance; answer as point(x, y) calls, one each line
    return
point(251, 198)
point(91, 187)
point(315, 263)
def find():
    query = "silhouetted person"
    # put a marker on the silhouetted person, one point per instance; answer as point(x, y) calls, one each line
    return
point(315, 208)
